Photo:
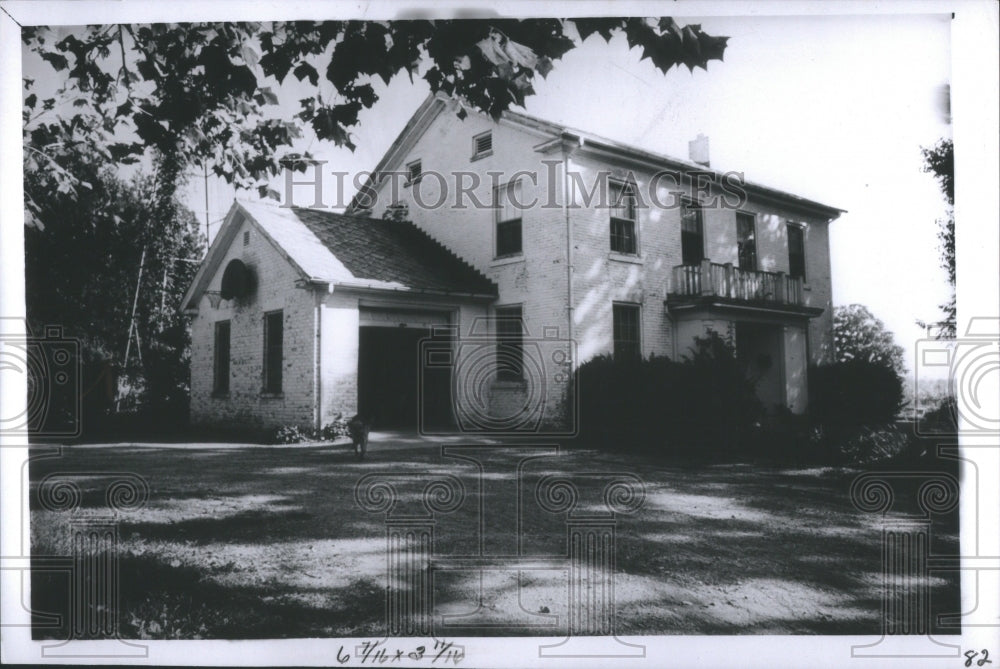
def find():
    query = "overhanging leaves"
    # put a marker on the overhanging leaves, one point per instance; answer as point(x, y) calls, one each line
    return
point(198, 92)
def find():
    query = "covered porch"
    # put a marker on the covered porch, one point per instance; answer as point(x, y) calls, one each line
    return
point(772, 350)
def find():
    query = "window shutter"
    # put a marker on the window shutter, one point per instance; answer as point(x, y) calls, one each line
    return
point(274, 336)
point(222, 348)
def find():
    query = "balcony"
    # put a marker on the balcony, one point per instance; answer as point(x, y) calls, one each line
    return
point(715, 282)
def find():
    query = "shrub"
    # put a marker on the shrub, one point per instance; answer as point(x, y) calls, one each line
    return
point(702, 405)
point(293, 434)
point(944, 417)
point(786, 437)
point(870, 445)
point(845, 396)
point(717, 399)
point(335, 429)
point(290, 434)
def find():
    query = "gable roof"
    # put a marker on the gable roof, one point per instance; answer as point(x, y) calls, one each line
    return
point(394, 254)
point(436, 103)
point(351, 251)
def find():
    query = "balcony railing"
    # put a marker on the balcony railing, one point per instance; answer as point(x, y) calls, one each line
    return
point(709, 279)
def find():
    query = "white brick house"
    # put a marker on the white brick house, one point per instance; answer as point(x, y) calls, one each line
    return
point(556, 283)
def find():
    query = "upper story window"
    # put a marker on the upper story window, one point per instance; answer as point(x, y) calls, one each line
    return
point(482, 144)
point(746, 241)
point(274, 345)
point(796, 251)
point(507, 218)
point(246, 238)
point(510, 343)
point(625, 327)
point(621, 198)
point(220, 384)
point(692, 234)
point(414, 171)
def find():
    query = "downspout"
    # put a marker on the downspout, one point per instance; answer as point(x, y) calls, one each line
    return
point(569, 257)
point(317, 362)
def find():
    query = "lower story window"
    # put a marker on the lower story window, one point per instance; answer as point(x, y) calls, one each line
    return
point(626, 331)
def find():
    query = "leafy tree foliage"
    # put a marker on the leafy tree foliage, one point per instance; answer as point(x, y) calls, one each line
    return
point(860, 336)
point(81, 272)
point(939, 160)
point(853, 393)
point(204, 93)
point(854, 401)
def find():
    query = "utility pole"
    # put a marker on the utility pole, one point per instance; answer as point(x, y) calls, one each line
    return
point(132, 326)
point(204, 169)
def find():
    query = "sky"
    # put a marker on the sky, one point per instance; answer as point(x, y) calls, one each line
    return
point(835, 109)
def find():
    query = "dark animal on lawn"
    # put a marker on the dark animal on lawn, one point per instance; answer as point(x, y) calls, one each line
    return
point(357, 429)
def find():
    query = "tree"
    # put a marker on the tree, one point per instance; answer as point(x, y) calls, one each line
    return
point(859, 336)
point(204, 94)
point(939, 160)
point(853, 393)
point(864, 386)
point(81, 271)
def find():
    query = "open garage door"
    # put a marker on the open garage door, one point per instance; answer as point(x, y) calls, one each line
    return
point(393, 391)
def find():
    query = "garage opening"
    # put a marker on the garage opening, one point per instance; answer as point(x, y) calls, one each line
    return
point(396, 389)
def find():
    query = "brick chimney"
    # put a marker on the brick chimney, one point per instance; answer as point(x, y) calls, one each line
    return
point(698, 150)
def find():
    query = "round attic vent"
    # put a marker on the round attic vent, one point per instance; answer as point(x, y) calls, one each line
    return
point(238, 281)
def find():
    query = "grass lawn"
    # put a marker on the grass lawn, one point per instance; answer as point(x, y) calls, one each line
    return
point(249, 541)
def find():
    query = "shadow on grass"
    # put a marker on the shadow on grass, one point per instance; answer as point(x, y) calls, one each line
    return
point(246, 526)
point(160, 601)
point(719, 549)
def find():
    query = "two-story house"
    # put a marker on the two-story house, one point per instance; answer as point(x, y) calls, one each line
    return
point(465, 287)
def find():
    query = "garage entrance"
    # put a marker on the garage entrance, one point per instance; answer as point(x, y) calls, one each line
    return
point(391, 348)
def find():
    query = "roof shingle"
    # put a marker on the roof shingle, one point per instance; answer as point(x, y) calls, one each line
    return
point(393, 254)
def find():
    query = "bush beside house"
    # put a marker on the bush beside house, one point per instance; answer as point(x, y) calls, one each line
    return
point(854, 393)
point(702, 405)
point(854, 405)
point(294, 434)
point(705, 407)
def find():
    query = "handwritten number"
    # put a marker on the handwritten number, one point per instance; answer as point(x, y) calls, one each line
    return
point(971, 655)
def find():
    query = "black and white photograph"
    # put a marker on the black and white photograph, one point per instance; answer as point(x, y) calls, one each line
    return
point(509, 334)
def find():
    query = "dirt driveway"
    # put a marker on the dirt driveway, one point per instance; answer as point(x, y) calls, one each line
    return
point(248, 541)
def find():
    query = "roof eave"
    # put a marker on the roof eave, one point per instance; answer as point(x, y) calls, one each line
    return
point(366, 287)
point(780, 196)
point(432, 105)
point(197, 286)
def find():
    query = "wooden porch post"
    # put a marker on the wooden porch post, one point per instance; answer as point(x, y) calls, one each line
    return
point(729, 280)
point(706, 277)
